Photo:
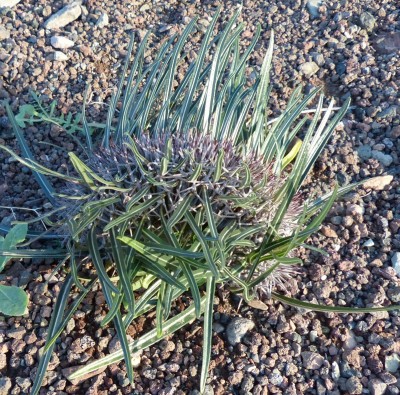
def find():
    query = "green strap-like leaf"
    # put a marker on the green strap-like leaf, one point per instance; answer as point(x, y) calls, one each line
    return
point(171, 326)
point(121, 264)
point(109, 287)
point(207, 330)
point(134, 211)
point(55, 320)
point(179, 211)
point(200, 236)
point(26, 152)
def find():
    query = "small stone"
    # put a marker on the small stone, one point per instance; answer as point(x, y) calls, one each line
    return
point(150, 373)
point(389, 112)
point(4, 33)
point(367, 21)
point(369, 243)
point(394, 294)
point(319, 59)
point(350, 341)
point(388, 43)
point(346, 265)
point(86, 50)
point(354, 385)
point(355, 209)
point(17, 333)
point(81, 344)
point(385, 159)
point(275, 378)
point(328, 232)
point(309, 68)
point(8, 3)
point(388, 143)
point(237, 328)
point(164, 28)
point(59, 56)
point(364, 152)
point(312, 360)
point(396, 262)
point(313, 336)
point(392, 363)
point(61, 42)
point(388, 378)
point(378, 183)
point(65, 16)
point(395, 133)
point(218, 328)
point(136, 359)
point(102, 21)
point(313, 7)
point(377, 387)
point(145, 7)
point(24, 383)
point(5, 385)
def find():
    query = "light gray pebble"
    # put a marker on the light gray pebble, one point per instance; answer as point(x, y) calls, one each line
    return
point(312, 360)
point(4, 33)
point(364, 152)
point(335, 371)
point(65, 16)
point(275, 378)
point(237, 328)
point(354, 386)
point(313, 336)
point(394, 294)
point(367, 21)
point(17, 333)
point(150, 373)
point(385, 159)
point(5, 385)
point(61, 42)
point(24, 383)
point(396, 262)
point(369, 243)
point(355, 209)
point(309, 68)
point(59, 56)
point(392, 363)
point(103, 20)
point(377, 387)
point(313, 6)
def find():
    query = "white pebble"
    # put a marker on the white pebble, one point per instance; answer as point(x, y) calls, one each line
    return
point(60, 56)
point(61, 42)
point(369, 243)
point(392, 363)
point(396, 262)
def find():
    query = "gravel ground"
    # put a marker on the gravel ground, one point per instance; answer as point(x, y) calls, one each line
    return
point(350, 48)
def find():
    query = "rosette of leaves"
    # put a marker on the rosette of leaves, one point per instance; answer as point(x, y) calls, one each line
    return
point(186, 187)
